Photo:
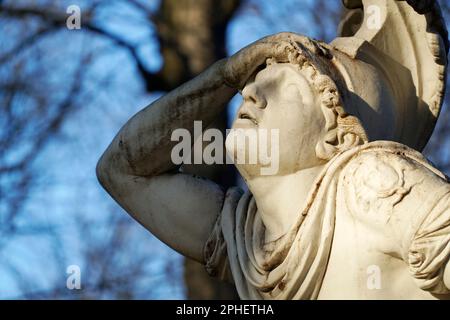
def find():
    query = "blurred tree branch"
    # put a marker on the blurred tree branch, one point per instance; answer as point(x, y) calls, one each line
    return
point(190, 34)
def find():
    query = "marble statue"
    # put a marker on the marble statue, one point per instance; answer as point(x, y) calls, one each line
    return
point(354, 211)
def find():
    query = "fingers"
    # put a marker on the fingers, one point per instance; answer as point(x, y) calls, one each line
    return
point(244, 64)
point(285, 36)
point(285, 51)
point(284, 47)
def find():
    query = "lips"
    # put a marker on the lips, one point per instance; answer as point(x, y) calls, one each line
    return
point(246, 115)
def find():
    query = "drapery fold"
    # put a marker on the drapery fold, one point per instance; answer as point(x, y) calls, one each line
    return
point(293, 267)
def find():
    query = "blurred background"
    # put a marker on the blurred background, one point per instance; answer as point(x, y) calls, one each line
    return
point(65, 93)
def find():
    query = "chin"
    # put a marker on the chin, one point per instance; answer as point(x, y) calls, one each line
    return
point(246, 170)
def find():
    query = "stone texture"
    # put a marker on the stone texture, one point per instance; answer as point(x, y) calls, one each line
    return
point(354, 211)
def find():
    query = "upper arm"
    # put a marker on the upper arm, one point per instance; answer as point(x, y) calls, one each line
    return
point(180, 209)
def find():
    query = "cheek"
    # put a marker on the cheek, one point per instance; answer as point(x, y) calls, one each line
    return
point(289, 118)
point(300, 128)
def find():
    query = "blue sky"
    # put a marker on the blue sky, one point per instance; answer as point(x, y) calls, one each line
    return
point(68, 188)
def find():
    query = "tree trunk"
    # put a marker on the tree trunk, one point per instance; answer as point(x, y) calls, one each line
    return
point(192, 36)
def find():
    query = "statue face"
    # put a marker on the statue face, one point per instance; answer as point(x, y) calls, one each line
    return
point(280, 98)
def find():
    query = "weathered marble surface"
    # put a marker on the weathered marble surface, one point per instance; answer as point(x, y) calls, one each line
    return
point(354, 211)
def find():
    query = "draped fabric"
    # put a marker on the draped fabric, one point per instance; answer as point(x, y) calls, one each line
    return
point(430, 246)
point(293, 267)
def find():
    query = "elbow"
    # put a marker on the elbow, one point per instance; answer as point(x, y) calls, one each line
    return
point(103, 172)
point(110, 176)
point(111, 169)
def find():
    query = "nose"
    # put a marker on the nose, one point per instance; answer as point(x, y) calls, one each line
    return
point(251, 96)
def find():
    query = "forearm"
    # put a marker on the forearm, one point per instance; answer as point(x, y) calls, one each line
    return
point(143, 146)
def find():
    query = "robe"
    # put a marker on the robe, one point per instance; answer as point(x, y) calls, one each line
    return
point(382, 183)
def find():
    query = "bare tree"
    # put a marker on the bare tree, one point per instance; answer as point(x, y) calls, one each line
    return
point(49, 75)
point(191, 35)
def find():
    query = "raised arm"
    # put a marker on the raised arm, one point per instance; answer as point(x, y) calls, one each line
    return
point(137, 170)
